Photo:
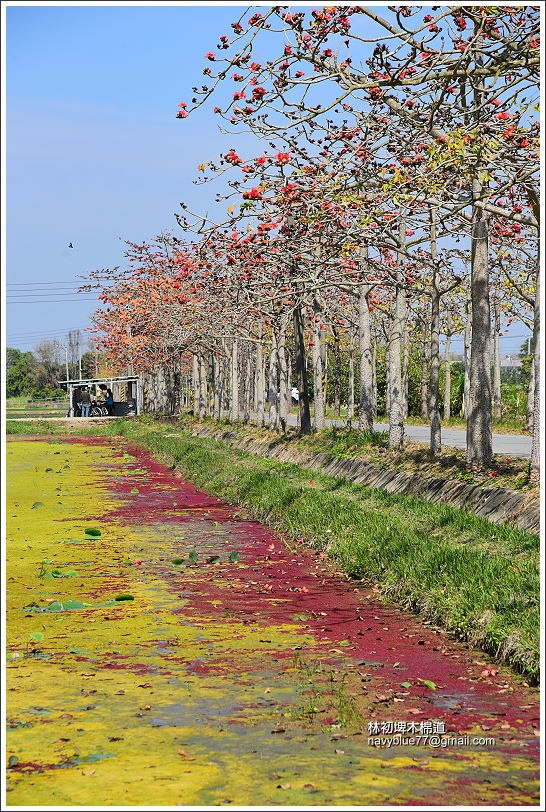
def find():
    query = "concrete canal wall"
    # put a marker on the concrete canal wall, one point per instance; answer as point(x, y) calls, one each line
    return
point(498, 505)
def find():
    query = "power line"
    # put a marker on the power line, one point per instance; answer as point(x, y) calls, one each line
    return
point(49, 301)
point(44, 285)
point(30, 296)
point(48, 293)
point(54, 286)
point(44, 337)
point(48, 332)
point(28, 284)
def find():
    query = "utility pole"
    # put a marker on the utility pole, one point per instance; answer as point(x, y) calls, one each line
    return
point(65, 347)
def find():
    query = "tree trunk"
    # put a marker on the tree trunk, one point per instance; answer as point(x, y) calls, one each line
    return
point(223, 385)
point(323, 349)
point(530, 409)
point(366, 405)
point(351, 384)
point(387, 378)
point(337, 372)
point(425, 373)
point(259, 385)
point(497, 403)
point(447, 384)
point(405, 363)
point(396, 348)
point(374, 376)
point(318, 370)
point(479, 425)
point(284, 390)
point(273, 384)
point(247, 389)
point(216, 407)
point(234, 399)
point(202, 387)
point(479, 430)
point(184, 384)
point(301, 370)
point(467, 345)
point(195, 383)
point(434, 393)
point(534, 474)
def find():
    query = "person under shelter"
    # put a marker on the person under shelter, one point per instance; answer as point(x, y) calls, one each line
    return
point(85, 402)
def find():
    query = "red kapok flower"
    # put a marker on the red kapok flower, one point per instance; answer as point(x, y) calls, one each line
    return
point(232, 158)
point(252, 194)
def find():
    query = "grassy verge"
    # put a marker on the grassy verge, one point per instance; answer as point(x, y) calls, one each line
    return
point(478, 580)
point(450, 463)
point(41, 426)
point(18, 414)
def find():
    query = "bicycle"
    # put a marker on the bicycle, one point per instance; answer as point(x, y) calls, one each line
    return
point(98, 409)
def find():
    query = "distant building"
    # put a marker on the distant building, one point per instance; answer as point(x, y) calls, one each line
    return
point(507, 361)
point(510, 362)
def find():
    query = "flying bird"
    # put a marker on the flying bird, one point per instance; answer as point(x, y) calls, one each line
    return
point(70, 245)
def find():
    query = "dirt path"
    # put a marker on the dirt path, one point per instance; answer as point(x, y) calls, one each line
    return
point(236, 671)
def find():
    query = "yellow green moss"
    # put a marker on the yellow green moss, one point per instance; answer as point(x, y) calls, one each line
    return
point(126, 703)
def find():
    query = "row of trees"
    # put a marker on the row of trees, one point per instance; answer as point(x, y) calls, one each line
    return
point(38, 374)
point(396, 202)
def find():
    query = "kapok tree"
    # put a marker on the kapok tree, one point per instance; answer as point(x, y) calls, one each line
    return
point(441, 89)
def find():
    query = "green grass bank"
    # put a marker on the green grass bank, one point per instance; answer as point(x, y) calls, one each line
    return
point(478, 580)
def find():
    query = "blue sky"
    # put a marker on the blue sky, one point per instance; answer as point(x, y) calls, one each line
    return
point(95, 155)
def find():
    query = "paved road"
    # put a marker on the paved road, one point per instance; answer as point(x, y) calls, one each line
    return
point(511, 445)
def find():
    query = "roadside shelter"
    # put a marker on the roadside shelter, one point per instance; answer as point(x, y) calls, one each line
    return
point(127, 391)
